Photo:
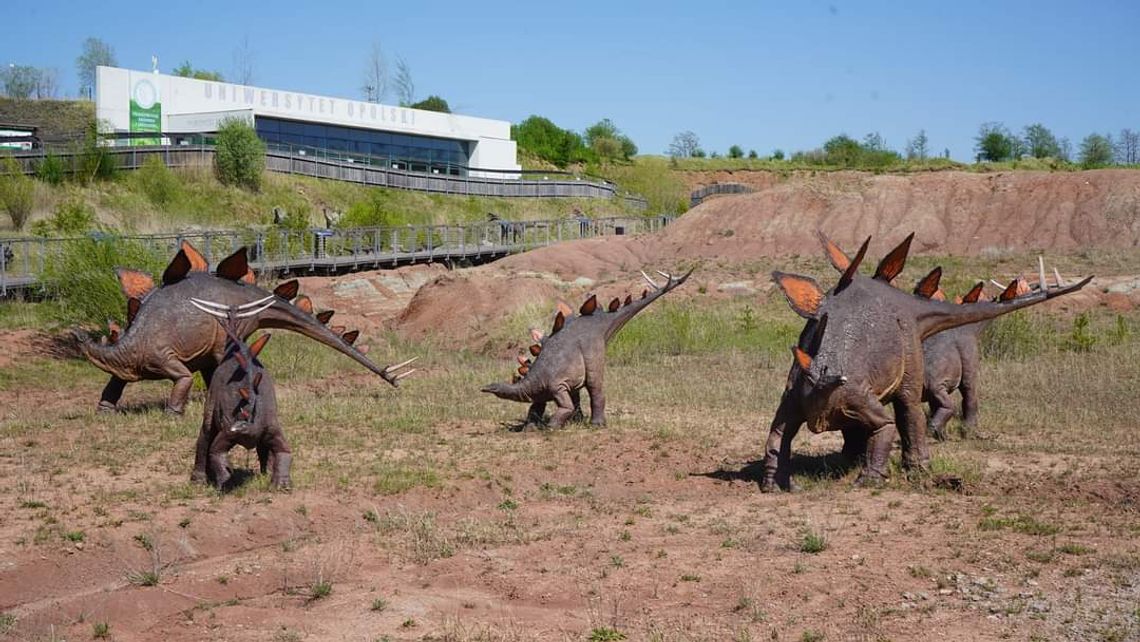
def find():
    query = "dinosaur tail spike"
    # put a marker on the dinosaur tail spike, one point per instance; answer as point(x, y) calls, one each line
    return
point(536, 334)
point(287, 290)
point(523, 370)
point(304, 304)
point(113, 331)
point(324, 317)
point(853, 268)
point(628, 299)
point(644, 293)
point(197, 261)
point(614, 305)
point(535, 349)
point(893, 263)
point(522, 360)
point(559, 321)
point(350, 336)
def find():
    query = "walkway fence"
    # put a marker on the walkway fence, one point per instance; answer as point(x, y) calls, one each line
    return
point(280, 251)
point(311, 163)
point(717, 189)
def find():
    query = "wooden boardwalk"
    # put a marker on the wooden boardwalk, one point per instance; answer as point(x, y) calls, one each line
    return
point(283, 252)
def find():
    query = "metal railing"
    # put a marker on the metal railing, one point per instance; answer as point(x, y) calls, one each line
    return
point(282, 251)
point(334, 167)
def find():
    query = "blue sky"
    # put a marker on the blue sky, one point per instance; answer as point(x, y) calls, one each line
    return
point(764, 75)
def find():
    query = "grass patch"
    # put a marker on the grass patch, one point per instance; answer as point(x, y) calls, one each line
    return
point(605, 634)
point(396, 478)
point(1019, 523)
point(812, 541)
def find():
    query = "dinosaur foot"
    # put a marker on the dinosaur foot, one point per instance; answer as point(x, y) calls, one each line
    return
point(771, 486)
point(868, 479)
point(106, 406)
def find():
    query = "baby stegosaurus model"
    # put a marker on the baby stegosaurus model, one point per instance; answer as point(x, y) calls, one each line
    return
point(573, 356)
point(240, 408)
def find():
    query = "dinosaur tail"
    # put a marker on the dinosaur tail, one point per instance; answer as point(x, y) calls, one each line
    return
point(518, 391)
point(111, 359)
point(936, 316)
point(623, 314)
point(288, 317)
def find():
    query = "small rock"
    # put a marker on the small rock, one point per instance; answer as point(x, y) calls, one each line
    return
point(908, 597)
point(1025, 595)
point(1038, 607)
point(738, 288)
point(924, 596)
point(945, 591)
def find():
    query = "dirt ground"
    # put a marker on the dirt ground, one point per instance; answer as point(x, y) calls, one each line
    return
point(422, 514)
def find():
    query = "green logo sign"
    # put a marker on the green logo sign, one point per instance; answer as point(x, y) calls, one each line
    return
point(146, 112)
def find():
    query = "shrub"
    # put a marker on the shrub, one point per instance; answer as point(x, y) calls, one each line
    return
point(82, 275)
point(51, 170)
point(17, 193)
point(1081, 339)
point(239, 156)
point(72, 217)
point(95, 159)
point(156, 180)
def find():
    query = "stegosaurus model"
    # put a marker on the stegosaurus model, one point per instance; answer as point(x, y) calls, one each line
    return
point(573, 356)
point(240, 408)
point(166, 337)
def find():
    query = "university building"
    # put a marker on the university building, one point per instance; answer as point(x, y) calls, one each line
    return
point(177, 108)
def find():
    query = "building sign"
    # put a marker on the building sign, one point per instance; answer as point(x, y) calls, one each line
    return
point(287, 103)
point(146, 111)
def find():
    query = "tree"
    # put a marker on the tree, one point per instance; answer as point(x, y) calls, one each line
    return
point(993, 143)
point(735, 152)
point(917, 148)
point(752, 154)
point(1040, 142)
point(375, 75)
point(684, 144)
point(778, 154)
point(842, 150)
point(239, 155)
point(20, 81)
point(874, 142)
point(186, 70)
point(1096, 150)
point(17, 192)
point(432, 103)
point(95, 53)
point(243, 63)
point(608, 142)
point(1128, 147)
point(405, 88)
point(47, 84)
point(540, 137)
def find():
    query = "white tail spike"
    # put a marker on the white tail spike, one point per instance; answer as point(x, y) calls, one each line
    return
point(1060, 281)
point(1041, 273)
point(650, 281)
point(997, 285)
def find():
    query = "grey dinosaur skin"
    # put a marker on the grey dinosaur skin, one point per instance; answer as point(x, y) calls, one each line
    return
point(572, 358)
point(952, 359)
point(864, 341)
point(171, 339)
point(231, 418)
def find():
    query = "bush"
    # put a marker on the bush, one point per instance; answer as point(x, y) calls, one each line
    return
point(239, 156)
point(72, 217)
point(82, 275)
point(17, 193)
point(95, 159)
point(156, 180)
point(540, 137)
point(51, 170)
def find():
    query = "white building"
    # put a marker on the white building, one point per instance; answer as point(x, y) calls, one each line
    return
point(407, 139)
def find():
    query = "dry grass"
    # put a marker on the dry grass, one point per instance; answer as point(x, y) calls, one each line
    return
point(630, 522)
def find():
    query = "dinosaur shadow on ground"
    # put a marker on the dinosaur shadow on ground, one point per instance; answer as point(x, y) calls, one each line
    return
point(829, 466)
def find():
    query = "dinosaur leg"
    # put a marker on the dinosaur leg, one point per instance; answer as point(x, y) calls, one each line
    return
point(942, 408)
point(911, 422)
point(854, 443)
point(576, 398)
point(536, 412)
point(112, 392)
point(264, 456)
point(595, 380)
point(282, 458)
point(202, 454)
point(778, 450)
point(218, 466)
point(564, 410)
point(183, 380)
point(879, 443)
point(969, 390)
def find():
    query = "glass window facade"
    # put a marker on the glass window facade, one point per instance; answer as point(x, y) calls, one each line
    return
point(399, 151)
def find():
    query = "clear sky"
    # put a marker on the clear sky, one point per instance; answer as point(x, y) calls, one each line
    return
point(764, 75)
